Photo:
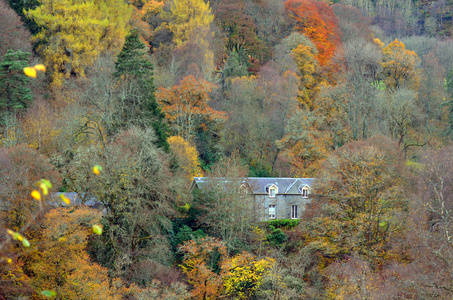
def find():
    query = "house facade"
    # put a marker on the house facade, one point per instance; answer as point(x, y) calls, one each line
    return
point(272, 198)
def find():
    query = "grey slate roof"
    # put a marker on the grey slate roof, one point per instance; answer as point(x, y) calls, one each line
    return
point(76, 200)
point(258, 185)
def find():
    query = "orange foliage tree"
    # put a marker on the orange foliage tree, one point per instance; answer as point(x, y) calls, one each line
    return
point(316, 20)
point(62, 265)
point(198, 265)
point(143, 10)
point(186, 106)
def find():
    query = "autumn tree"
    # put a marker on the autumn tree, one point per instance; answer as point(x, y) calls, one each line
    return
point(305, 142)
point(190, 17)
point(40, 128)
point(399, 66)
point(244, 273)
point(143, 12)
point(186, 106)
point(191, 20)
point(137, 90)
point(304, 54)
point(137, 190)
point(22, 168)
point(240, 30)
point(187, 157)
point(73, 33)
point(316, 20)
point(360, 189)
point(15, 95)
point(61, 263)
point(199, 264)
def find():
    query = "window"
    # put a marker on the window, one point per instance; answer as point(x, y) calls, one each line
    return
point(304, 191)
point(271, 211)
point(294, 212)
point(272, 192)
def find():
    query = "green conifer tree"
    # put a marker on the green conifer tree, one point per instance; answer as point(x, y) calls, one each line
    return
point(14, 93)
point(133, 65)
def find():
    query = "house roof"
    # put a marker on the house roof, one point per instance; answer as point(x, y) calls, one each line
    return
point(258, 185)
point(76, 200)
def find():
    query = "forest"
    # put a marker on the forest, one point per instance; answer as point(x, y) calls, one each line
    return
point(126, 101)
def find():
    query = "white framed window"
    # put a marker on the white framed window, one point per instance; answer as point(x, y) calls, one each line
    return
point(294, 214)
point(304, 191)
point(272, 211)
point(272, 190)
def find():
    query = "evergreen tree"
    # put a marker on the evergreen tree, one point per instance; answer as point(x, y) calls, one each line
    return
point(14, 94)
point(133, 66)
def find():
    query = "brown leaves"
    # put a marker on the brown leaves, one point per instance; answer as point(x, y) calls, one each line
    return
point(186, 105)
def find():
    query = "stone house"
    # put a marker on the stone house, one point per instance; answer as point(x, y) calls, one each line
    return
point(272, 198)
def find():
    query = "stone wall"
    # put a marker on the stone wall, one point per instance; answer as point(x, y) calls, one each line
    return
point(283, 203)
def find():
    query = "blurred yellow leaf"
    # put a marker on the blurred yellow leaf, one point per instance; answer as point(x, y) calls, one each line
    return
point(36, 195)
point(25, 243)
point(97, 229)
point(30, 72)
point(40, 67)
point(97, 169)
point(65, 199)
point(44, 189)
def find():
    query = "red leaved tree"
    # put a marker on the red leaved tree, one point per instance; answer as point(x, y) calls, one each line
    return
point(316, 20)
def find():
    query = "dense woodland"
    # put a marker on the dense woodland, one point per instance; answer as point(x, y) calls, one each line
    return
point(355, 93)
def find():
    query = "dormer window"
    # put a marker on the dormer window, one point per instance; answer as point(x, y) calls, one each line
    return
point(304, 191)
point(272, 190)
point(243, 189)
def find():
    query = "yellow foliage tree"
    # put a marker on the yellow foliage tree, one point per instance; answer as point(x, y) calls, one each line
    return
point(244, 274)
point(307, 64)
point(74, 32)
point(62, 264)
point(187, 156)
point(40, 127)
point(400, 66)
point(191, 21)
point(190, 17)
